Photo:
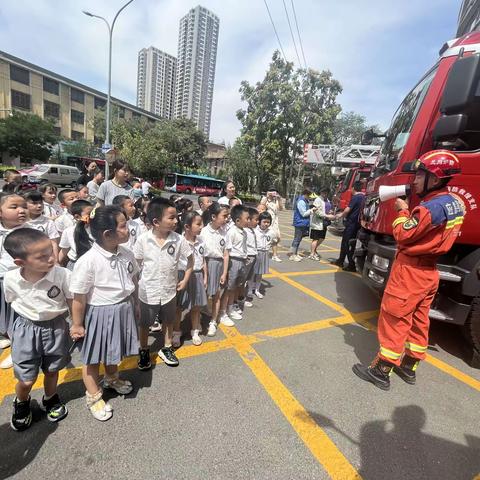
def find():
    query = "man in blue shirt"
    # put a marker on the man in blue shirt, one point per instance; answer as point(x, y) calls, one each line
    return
point(352, 224)
point(301, 222)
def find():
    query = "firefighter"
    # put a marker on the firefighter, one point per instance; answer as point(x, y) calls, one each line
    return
point(422, 235)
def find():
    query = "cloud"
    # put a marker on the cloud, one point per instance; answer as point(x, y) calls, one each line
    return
point(378, 49)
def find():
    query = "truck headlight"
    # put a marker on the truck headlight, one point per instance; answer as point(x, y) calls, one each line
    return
point(380, 262)
point(376, 278)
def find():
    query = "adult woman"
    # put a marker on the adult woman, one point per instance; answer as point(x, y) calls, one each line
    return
point(319, 222)
point(88, 174)
point(273, 203)
point(117, 185)
point(301, 222)
point(228, 192)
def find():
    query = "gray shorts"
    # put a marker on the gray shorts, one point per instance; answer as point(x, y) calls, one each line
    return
point(148, 313)
point(237, 273)
point(38, 345)
point(250, 267)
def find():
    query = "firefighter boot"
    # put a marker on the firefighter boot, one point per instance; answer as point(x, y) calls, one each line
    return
point(377, 373)
point(406, 371)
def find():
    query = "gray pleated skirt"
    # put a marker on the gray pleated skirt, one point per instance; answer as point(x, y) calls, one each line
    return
point(262, 264)
point(215, 271)
point(6, 314)
point(197, 290)
point(184, 296)
point(111, 333)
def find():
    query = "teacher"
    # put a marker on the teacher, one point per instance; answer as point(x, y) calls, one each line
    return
point(228, 191)
point(117, 185)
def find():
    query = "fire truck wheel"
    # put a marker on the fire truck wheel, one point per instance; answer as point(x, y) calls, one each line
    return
point(471, 328)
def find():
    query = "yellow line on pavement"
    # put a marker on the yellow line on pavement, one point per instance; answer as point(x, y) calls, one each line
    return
point(298, 274)
point(317, 441)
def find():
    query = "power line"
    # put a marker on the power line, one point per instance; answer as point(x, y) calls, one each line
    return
point(291, 33)
point(275, 30)
point(298, 32)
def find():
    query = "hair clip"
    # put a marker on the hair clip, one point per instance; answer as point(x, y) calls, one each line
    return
point(85, 219)
point(92, 213)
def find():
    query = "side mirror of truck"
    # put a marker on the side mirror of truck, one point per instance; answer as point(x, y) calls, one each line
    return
point(409, 167)
point(370, 135)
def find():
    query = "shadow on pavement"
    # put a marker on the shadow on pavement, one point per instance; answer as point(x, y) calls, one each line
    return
point(399, 448)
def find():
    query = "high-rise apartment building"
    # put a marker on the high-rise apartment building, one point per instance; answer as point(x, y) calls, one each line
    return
point(197, 55)
point(156, 81)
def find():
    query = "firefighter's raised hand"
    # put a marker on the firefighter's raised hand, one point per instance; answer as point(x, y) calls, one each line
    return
point(400, 204)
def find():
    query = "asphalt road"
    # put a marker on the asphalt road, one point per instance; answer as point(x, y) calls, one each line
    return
point(272, 398)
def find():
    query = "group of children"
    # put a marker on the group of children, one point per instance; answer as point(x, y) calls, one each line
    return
point(127, 270)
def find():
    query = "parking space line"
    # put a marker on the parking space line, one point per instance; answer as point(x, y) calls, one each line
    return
point(316, 440)
point(298, 274)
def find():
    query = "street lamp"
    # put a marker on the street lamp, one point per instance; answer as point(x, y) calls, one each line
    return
point(110, 32)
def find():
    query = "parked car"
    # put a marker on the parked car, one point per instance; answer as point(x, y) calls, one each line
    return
point(57, 174)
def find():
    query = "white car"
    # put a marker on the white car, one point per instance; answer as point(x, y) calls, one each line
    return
point(54, 173)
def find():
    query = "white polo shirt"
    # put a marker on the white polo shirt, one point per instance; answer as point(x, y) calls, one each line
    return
point(45, 225)
point(106, 278)
point(64, 221)
point(264, 238)
point(43, 300)
point(68, 241)
point(251, 242)
point(159, 278)
point(6, 261)
point(135, 228)
point(214, 240)
point(237, 242)
point(52, 211)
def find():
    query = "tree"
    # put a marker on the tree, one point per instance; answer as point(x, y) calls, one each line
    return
point(79, 148)
point(349, 127)
point(27, 136)
point(285, 110)
point(240, 165)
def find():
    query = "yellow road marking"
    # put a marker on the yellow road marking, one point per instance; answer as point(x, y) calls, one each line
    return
point(317, 441)
point(306, 272)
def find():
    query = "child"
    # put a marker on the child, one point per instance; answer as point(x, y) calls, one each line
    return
point(39, 294)
point(214, 236)
point(264, 242)
point(40, 222)
point(105, 298)
point(51, 209)
point(66, 198)
point(13, 215)
point(94, 184)
point(82, 191)
point(70, 237)
point(135, 228)
point(252, 254)
point(237, 250)
point(194, 297)
point(158, 251)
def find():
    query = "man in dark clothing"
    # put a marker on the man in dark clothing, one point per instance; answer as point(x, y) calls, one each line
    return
point(352, 224)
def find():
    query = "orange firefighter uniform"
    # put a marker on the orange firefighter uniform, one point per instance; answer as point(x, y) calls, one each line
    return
point(422, 235)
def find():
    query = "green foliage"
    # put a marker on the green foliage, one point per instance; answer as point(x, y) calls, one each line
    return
point(287, 109)
point(349, 127)
point(240, 165)
point(27, 136)
point(80, 148)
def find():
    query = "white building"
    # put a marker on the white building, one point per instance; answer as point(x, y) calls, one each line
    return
point(156, 82)
point(197, 54)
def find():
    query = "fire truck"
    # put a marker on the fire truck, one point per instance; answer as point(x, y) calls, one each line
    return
point(441, 111)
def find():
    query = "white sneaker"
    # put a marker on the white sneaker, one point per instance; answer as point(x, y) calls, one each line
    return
point(234, 315)
point(196, 339)
point(258, 294)
point(176, 339)
point(248, 303)
point(5, 343)
point(237, 308)
point(296, 258)
point(226, 320)
point(7, 362)
point(275, 258)
point(98, 407)
point(156, 327)
point(122, 387)
point(212, 329)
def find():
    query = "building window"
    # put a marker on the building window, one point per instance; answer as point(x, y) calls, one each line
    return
point(77, 135)
point(97, 141)
point(76, 116)
point(51, 109)
point(57, 131)
point(20, 75)
point(50, 86)
point(20, 100)
point(136, 115)
point(77, 95)
point(121, 112)
point(100, 102)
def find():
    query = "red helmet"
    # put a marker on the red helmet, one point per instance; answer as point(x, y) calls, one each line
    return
point(441, 163)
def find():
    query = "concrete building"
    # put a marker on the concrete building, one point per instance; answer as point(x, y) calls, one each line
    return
point(196, 60)
point(29, 88)
point(215, 157)
point(156, 82)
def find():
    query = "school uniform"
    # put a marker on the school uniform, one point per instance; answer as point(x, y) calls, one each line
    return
point(237, 248)
point(6, 264)
point(67, 240)
point(52, 211)
point(108, 281)
point(45, 225)
point(264, 242)
point(251, 252)
point(40, 332)
point(64, 221)
point(135, 228)
point(215, 242)
point(157, 287)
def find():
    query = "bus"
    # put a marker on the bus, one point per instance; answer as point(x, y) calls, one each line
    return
point(198, 184)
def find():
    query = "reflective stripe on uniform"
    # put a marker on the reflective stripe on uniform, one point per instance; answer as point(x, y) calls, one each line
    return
point(399, 220)
point(454, 222)
point(389, 354)
point(415, 348)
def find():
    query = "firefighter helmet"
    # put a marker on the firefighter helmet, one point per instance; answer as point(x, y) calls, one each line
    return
point(441, 163)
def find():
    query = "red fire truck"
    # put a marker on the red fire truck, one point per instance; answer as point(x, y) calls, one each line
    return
point(441, 111)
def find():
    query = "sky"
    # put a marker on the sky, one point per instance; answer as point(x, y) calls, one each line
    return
point(377, 49)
